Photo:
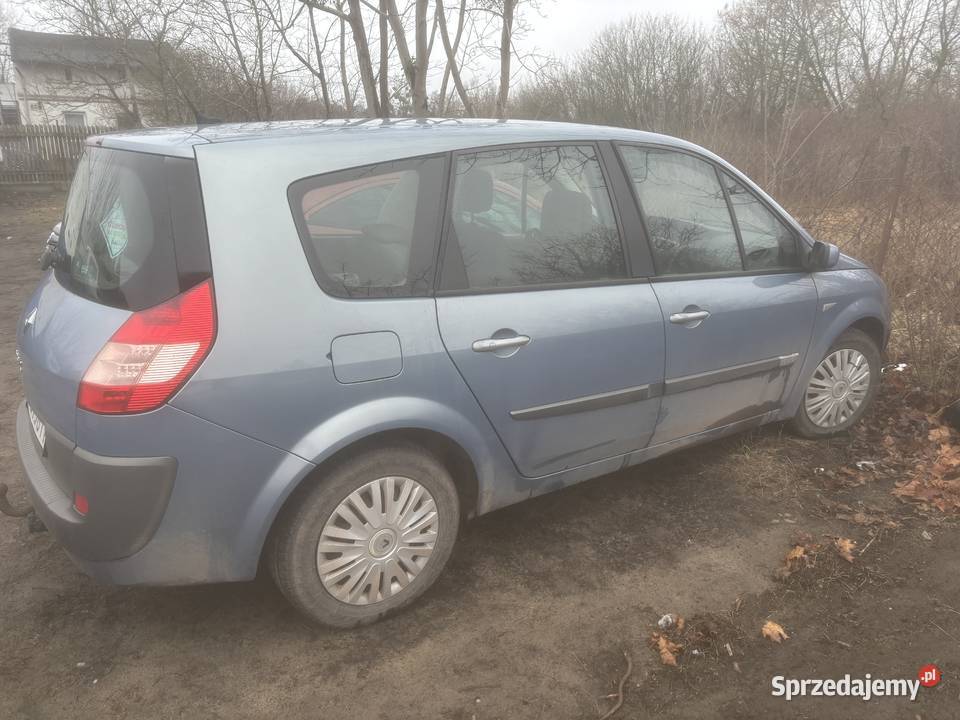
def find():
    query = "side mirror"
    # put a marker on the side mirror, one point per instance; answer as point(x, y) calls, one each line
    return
point(50, 248)
point(822, 256)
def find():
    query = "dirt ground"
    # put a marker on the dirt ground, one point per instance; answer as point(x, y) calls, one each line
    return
point(538, 606)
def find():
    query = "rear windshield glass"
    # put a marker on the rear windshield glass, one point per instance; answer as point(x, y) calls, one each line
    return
point(118, 243)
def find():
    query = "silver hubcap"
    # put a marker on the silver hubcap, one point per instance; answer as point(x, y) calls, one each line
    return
point(838, 388)
point(377, 540)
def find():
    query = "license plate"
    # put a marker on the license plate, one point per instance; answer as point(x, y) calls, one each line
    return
point(39, 429)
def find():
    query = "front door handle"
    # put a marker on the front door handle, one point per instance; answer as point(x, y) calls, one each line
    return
point(495, 344)
point(682, 318)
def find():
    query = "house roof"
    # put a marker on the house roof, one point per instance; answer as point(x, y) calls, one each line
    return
point(27, 46)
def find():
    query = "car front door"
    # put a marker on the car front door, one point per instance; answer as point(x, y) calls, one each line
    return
point(739, 309)
point(562, 348)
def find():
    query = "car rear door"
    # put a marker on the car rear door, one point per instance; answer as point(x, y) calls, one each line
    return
point(132, 237)
point(739, 309)
point(539, 311)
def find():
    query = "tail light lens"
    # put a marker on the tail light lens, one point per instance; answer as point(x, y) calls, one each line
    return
point(81, 504)
point(151, 355)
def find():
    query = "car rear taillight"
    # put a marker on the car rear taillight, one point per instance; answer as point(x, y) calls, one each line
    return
point(81, 504)
point(151, 355)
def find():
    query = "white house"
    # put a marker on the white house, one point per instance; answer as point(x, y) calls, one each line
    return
point(75, 80)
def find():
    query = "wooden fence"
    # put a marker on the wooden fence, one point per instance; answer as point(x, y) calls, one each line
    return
point(41, 153)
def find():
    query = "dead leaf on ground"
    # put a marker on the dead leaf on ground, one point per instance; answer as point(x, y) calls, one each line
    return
point(941, 494)
point(941, 433)
point(774, 632)
point(935, 483)
point(801, 555)
point(845, 546)
point(795, 560)
point(668, 650)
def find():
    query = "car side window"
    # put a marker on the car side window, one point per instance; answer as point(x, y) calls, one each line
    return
point(371, 231)
point(686, 213)
point(533, 215)
point(767, 243)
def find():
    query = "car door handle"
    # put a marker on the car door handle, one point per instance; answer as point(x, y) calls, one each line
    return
point(682, 318)
point(494, 344)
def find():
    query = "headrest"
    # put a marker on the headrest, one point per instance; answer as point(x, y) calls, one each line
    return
point(565, 213)
point(475, 191)
point(400, 206)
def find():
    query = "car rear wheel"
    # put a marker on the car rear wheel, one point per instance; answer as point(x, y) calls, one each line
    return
point(841, 387)
point(368, 538)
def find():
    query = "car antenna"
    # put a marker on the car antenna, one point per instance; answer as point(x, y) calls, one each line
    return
point(203, 119)
point(199, 117)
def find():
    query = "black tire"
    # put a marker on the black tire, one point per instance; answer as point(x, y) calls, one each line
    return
point(294, 541)
point(854, 340)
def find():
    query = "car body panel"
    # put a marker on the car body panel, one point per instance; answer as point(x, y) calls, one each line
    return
point(845, 297)
point(742, 360)
point(282, 388)
point(595, 357)
point(224, 497)
point(63, 335)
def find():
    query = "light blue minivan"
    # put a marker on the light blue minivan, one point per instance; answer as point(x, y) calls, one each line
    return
point(321, 345)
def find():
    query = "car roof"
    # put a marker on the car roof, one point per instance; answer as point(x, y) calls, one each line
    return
point(389, 135)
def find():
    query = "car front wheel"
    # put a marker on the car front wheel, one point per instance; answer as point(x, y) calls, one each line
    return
point(841, 387)
point(368, 538)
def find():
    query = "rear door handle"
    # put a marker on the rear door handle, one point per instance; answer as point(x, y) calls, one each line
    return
point(682, 318)
point(494, 344)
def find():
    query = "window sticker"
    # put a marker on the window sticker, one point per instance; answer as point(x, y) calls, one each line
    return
point(114, 229)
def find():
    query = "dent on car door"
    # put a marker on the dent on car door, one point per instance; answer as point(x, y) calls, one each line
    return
point(562, 350)
point(739, 309)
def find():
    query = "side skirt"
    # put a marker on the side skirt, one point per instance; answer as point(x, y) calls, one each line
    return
point(566, 478)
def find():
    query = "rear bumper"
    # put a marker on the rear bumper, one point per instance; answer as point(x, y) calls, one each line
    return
point(207, 525)
point(127, 496)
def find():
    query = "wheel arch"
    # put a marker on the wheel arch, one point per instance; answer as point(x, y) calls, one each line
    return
point(447, 450)
point(863, 315)
point(481, 469)
point(873, 327)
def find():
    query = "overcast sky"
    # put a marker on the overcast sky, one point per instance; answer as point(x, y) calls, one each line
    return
point(566, 26)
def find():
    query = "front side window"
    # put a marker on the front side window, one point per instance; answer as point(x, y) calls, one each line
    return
point(370, 232)
point(685, 210)
point(767, 243)
point(534, 215)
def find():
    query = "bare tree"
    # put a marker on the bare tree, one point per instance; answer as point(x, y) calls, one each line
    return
point(414, 66)
point(384, 73)
point(506, 52)
point(452, 68)
point(887, 36)
point(306, 48)
point(7, 19)
point(352, 17)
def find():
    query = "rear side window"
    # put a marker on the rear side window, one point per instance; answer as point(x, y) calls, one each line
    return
point(685, 210)
point(767, 243)
point(531, 216)
point(371, 231)
point(128, 217)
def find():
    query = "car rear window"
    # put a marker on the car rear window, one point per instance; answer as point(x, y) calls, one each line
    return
point(133, 231)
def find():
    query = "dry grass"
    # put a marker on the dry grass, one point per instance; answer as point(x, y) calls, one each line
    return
point(922, 272)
